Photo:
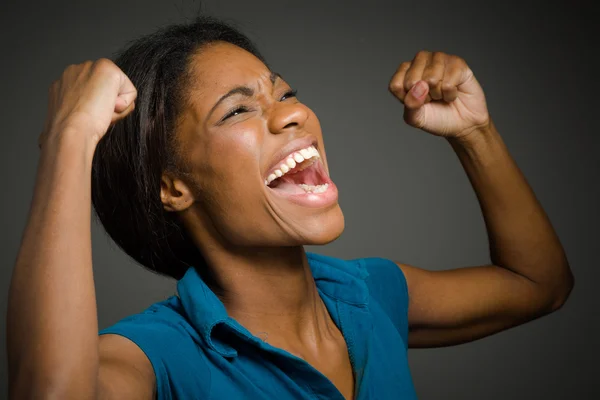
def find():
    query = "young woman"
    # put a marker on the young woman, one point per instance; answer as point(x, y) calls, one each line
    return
point(203, 165)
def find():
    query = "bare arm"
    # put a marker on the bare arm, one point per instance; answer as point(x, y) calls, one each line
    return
point(52, 326)
point(529, 275)
point(52, 323)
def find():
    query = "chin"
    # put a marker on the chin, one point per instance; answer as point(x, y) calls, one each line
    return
point(325, 228)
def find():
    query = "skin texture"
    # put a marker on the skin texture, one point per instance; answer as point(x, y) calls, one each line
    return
point(529, 275)
point(251, 237)
point(52, 324)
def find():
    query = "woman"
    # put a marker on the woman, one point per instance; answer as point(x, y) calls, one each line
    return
point(203, 165)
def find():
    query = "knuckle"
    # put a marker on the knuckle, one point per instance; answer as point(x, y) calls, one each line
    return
point(87, 64)
point(69, 68)
point(439, 55)
point(396, 86)
point(103, 64)
point(107, 67)
point(72, 70)
point(67, 72)
point(446, 86)
point(458, 60)
point(431, 78)
point(410, 82)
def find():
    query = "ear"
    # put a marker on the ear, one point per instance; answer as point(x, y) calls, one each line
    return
point(174, 193)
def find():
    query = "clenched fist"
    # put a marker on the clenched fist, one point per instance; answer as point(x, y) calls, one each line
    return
point(87, 99)
point(440, 95)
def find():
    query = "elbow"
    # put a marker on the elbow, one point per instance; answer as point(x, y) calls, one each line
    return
point(561, 291)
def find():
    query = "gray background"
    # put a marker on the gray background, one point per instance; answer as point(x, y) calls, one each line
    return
point(404, 193)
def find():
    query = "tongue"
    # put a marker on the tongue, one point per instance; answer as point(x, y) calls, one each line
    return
point(289, 187)
point(289, 182)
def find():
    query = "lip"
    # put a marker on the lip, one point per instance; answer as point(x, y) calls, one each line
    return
point(281, 155)
point(314, 200)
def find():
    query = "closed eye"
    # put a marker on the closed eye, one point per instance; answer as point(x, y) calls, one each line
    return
point(234, 112)
point(287, 95)
point(242, 109)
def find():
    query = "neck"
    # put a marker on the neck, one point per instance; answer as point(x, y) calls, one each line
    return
point(271, 292)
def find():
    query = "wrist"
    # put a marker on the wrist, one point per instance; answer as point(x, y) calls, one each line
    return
point(69, 140)
point(79, 124)
point(484, 146)
point(476, 137)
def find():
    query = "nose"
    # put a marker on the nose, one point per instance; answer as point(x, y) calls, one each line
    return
point(287, 116)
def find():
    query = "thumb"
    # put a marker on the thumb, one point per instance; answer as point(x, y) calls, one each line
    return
point(414, 112)
point(126, 96)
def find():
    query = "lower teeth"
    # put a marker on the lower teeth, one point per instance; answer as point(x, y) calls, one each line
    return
point(314, 188)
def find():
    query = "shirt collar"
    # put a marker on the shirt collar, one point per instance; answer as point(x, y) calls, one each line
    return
point(343, 280)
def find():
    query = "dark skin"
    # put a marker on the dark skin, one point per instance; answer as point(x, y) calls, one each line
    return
point(253, 239)
point(447, 307)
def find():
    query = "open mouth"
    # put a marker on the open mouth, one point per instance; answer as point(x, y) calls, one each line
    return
point(301, 178)
point(307, 177)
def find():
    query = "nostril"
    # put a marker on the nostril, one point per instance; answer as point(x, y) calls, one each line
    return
point(291, 124)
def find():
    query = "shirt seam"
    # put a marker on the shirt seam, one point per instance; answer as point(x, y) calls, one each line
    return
point(353, 303)
point(151, 351)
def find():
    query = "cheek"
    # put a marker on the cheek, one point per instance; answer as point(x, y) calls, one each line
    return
point(233, 158)
point(246, 140)
point(236, 147)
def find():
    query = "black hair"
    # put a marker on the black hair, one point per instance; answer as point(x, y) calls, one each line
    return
point(130, 159)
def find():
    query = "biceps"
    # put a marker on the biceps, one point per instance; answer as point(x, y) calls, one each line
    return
point(460, 305)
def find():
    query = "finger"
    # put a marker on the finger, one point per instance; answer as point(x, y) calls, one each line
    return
point(123, 102)
point(104, 85)
point(434, 73)
point(417, 96)
point(414, 113)
point(120, 115)
point(396, 85)
point(415, 72)
point(453, 77)
point(127, 94)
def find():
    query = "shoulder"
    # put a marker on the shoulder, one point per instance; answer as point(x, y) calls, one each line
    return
point(124, 371)
point(385, 281)
point(384, 278)
point(160, 321)
point(172, 348)
point(389, 289)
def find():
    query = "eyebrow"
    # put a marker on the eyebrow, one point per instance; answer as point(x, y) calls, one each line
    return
point(243, 90)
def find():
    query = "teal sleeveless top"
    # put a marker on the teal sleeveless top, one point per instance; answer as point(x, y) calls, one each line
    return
point(198, 352)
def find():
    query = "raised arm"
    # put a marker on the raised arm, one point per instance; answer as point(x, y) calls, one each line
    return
point(529, 275)
point(52, 327)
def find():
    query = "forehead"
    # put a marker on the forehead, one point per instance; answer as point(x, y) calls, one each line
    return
point(221, 66)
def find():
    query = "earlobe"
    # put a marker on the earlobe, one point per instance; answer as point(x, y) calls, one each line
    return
point(174, 194)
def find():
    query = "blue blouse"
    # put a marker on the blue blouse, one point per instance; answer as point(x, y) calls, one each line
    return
point(199, 352)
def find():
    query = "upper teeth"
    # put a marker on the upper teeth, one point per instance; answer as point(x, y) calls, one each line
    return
point(290, 162)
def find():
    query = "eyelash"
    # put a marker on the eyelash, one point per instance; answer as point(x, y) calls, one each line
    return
point(240, 109)
point(290, 93)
